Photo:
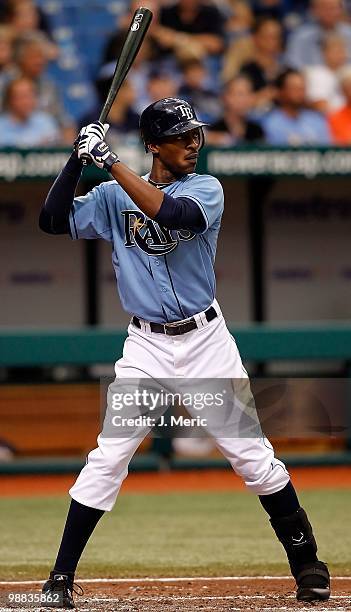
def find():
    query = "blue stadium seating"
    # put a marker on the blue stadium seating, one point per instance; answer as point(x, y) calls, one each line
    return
point(80, 28)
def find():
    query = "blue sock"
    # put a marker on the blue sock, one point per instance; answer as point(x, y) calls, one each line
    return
point(80, 524)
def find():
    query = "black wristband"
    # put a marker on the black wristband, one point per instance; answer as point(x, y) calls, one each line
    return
point(112, 159)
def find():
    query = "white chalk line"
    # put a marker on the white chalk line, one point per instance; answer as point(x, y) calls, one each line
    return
point(174, 598)
point(197, 597)
point(171, 599)
point(178, 598)
point(168, 579)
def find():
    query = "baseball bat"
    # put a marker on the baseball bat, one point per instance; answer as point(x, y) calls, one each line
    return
point(135, 36)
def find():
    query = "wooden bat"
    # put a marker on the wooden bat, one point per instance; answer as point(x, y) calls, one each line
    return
point(136, 34)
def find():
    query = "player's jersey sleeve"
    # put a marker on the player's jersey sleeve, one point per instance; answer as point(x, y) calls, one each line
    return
point(207, 192)
point(89, 216)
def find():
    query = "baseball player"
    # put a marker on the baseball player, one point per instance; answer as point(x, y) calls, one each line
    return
point(163, 229)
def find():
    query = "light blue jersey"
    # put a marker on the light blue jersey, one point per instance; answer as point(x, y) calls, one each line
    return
point(162, 275)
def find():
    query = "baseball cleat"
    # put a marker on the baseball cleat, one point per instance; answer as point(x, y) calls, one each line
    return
point(58, 591)
point(313, 582)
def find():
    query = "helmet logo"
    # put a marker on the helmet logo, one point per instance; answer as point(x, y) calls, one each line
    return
point(186, 111)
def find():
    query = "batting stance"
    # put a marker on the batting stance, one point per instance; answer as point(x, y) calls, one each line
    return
point(163, 229)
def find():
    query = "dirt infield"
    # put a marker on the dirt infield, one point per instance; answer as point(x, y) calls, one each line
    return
point(166, 482)
point(189, 595)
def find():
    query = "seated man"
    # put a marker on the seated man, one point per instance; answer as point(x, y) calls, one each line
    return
point(304, 44)
point(290, 123)
point(22, 124)
point(234, 127)
point(190, 29)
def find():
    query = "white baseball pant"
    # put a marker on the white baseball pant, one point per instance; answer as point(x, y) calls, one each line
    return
point(207, 352)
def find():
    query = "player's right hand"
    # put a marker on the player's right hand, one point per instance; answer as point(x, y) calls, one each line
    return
point(96, 129)
point(93, 148)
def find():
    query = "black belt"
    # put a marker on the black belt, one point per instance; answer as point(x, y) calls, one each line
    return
point(177, 328)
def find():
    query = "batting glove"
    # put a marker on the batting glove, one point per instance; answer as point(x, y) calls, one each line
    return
point(90, 137)
point(92, 147)
point(97, 129)
point(98, 152)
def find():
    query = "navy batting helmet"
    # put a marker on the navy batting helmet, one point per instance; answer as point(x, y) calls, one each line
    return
point(168, 117)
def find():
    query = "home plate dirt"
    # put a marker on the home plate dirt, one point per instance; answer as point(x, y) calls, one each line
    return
point(189, 595)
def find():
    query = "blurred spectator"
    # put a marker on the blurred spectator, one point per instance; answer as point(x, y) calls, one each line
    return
point(265, 65)
point(291, 123)
point(195, 89)
point(5, 57)
point(22, 124)
point(274, 9)
point(258, 56)
point(239, 52)
point(161, 84)
point(340, 120)
point(234, 127)
point(190, 28)
point(5, 47)
point(322, 82)
point(30, 55)
point(291, 11)
point(304, 44)
point(122, 118)
point(240, 20)
point(24, 16)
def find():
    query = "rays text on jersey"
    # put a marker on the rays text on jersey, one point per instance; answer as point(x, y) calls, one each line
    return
point(149, 236)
